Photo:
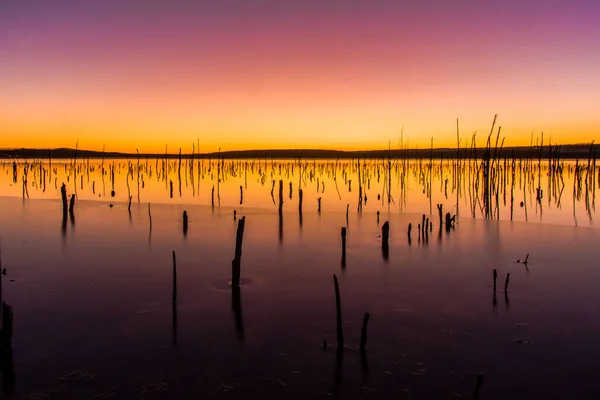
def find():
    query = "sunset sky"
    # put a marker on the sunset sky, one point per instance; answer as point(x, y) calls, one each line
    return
point(295, 74)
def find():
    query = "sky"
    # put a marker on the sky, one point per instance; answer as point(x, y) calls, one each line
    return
point(239, 74)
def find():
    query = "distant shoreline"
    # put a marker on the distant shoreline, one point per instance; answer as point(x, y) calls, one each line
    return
point(575, 151)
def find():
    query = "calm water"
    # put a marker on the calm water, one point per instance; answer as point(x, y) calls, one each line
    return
point(92, 298)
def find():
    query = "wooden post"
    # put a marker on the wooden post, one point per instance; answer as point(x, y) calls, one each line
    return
point(174, 298)
point(423, 226)
point(363, 336)
point(343, 246)
point(72, 203)
point(290, 190)
point(236, 263)
point(426, 229)
point(338, 307)
point(377, 216)
point(185, 222)
point(63, 193)
point(506, 283)
point(300, 201)
point(234, 215)
point(409, 229)
point(171, 188)
point(385, 232)
point(319, 205)
point(241, 194)
point(280, 197)
point(347, 209)
point(439, 207)
point(495, 277)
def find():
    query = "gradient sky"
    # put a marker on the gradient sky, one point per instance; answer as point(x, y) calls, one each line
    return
point(312, 73)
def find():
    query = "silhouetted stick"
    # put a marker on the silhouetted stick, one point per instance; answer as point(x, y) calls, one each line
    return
point(300, 201)
point(426, 229)
point(343, 246)
point(506, 283)
point(174, 299)
point(241, 194)
point(149, 216)
point(409, 229)
point(234, 215)
point(363, 336)
point(185, 222)
point(129, 205)
point(280, 196)
point(439, 207)
point(385, 232)
point(347, 209)
point(338, 307)
point(72, 204)
point(478, 386)
point(290, 190)
point(171, 188)
point(319, 205)
point(236, 263)
point(63, 193)
point(212, 196)
point(377, 216)
point(495, 277)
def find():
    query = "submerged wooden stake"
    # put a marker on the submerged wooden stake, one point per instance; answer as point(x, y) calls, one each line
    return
point(185, 222)
point(300, 201)
point(506, 283)
point(495, 277)
point(280, 196)
point(72, 203)
point(319, 205)
point(63, 194)
point(338, 307)
point(236, 262)
point(409, 229)
point(363, 336)
point(385, 232)
point(241, 194)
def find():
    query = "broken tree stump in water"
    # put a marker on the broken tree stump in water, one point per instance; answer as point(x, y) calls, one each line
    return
point(236, 263)
point(63, 194)
point(280, 197)
point(495, 278)
point(338, 308)
point(72, 203)
point(185, 222)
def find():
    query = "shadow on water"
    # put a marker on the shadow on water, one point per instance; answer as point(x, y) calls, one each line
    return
point(280, 229)
point(364, 362)
point(339, 360)
point(174, 325)
point(236, 306)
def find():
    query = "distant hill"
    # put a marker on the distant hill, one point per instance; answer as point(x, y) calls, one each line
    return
point(566, 151)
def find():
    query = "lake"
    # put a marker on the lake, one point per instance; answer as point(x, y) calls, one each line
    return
point(93, 293)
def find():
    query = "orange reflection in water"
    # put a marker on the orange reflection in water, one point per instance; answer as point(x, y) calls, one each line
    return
point(520, 191)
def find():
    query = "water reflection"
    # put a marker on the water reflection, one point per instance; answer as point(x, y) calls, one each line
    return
point(465, 187)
